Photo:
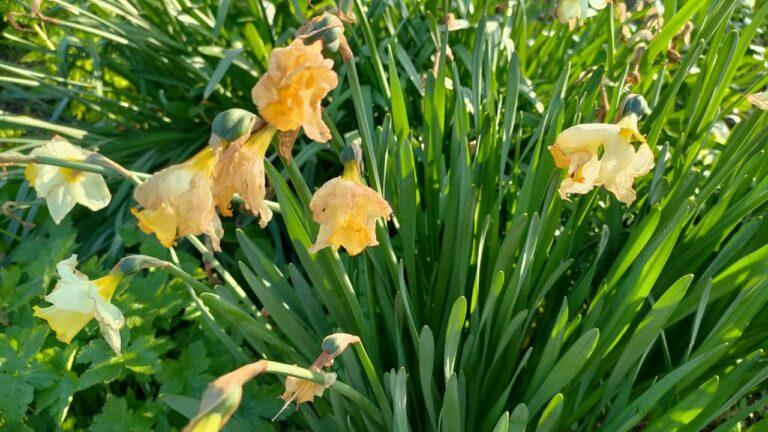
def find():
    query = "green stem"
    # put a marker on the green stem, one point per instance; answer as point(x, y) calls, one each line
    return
point(373, 378)
point(192, 285)
point(228, 278)
point(362, 119)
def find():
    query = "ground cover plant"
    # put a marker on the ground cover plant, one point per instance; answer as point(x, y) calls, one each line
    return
point(391, 215)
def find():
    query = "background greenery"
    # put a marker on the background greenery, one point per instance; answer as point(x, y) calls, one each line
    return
point(491, 303)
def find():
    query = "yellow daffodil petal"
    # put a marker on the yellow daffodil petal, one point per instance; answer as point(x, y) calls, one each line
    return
point(579, 150)
point(288, 95)
point(65, 323)
point(75, 300)
point(347, 212)
point(178, 201)
point(240, 170)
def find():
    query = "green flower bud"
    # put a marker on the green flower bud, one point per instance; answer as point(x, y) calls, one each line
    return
point(350, 153)
point(336, 343)
point(636, 104)
point(134, 263)
point(232, 124)
point(326, 28)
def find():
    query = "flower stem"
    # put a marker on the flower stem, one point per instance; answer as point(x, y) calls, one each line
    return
point(362, 118)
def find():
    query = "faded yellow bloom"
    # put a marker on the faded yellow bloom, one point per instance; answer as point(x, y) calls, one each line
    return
point(240, 170)
point(347, 210)
point(63, 187)
point(759, 100)
point(574, 12)
point(222, 397)
point(579, 149)
point(76, 300)
point(302, 391)
point(288, 95)
point(178, 201)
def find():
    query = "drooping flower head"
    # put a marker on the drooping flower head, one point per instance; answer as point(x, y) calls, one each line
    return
point(574, 12)
point(178, 201)
point(603, 155)
point(240, 169)
point(347, 210)
point(303, 391)
point(222, 397)
point(76, 300)
point(288, 95)
point(62, 187)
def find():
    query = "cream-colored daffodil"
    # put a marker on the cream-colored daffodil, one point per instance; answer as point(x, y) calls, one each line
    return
point(759, 100)
point(574, 12)
point(602, 155)
point(240, 170)
point(178, 201)
point(288, 95)
point(76, 300)
point(61, 187)
point(347, 211)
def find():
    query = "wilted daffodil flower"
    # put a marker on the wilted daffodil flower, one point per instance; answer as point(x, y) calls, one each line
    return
point(302, 391)
point(603, 155)
point(240, 169)
point(347, 210)
point(759, 100)
point(63, 187)
point(76, 300)
point(222, 397)
point(178, 201)
point(288, 95)
point(575, 11)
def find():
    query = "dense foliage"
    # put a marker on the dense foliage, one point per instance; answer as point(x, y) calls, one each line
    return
point(491, 303)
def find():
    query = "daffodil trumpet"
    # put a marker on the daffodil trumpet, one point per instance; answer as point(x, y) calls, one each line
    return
point(347, 210)
point(76, 300)
point(178, 201)
point(603, 155)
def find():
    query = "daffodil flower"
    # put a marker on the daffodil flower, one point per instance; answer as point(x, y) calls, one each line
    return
point(759, 100)
point(347, 211)
point(602, 155)
point(288, 95)
point(178, 201)
point(303, 391)
point(240, 170)
point(62, 187)
point(76, 300)
point(573, 12)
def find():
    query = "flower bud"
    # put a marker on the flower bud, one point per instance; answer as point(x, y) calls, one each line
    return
point(336, 343)
point(326, 28)
point(134, 263)
point(231, 125)
point(636, 104)
point(350, 153)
